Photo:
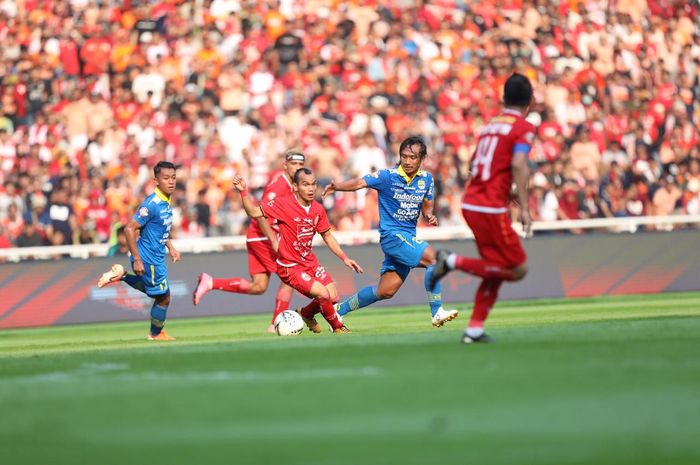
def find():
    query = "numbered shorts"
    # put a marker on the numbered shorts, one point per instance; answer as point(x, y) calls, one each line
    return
point(402, 253)
point(155, 278)
point(495, 238)
point(302, 278)
point(261, 258)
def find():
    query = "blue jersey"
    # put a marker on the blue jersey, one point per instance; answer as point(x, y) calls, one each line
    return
point(156, 218)
point(400, 198)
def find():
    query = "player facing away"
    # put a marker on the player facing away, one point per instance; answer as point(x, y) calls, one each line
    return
point(262, 250)
point(404, 193)
point(500, 158)
point(154, 219)
point(299, 218)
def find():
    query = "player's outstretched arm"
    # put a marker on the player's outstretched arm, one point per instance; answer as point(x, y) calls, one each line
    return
point(427, 210)
point(251, 210)
point(344, 186)
point(174, 254)
point(521, 176)
point(130, 231)
point(333, 246)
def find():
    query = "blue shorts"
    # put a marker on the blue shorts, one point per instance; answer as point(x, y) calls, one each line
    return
point(402, 253)
point(155, 278)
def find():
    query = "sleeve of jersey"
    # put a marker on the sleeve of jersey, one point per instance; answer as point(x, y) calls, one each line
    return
point(524, 139)
point(144, 213)
point(430, 194)
point(271, 209)
point(323, 223)
point(376, 180)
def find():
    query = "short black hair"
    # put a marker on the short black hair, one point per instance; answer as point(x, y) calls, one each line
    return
point(164, 165)
point(517, 91)
point(414, 140)
point(301, 171)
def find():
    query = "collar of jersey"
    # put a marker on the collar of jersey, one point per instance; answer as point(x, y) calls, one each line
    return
point(162, 196)
point(403, 174)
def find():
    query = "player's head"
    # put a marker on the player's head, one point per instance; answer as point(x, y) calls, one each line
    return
point(164, 175)
point(517, 91)
point(305, 184)
point(412, 152)
point(293, 160)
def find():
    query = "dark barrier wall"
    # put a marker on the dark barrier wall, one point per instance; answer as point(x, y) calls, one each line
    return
point(63, 292)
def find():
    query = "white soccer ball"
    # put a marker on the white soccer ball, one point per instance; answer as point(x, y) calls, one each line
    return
point(288, 323)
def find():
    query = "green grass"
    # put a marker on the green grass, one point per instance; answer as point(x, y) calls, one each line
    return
point(585, 381)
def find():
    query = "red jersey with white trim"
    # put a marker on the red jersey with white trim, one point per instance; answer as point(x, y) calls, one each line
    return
point(298, 226)
point(492, 176)
point(278, 187)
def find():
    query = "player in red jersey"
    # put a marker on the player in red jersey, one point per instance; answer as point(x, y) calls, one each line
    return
point(499, 159)
point(299, 218)
point(262, 250)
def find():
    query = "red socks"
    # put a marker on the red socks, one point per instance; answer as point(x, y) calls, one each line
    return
point(325, 307)
point(284, 295)
point(482, 268)
point(239, 285)
point(483, 303)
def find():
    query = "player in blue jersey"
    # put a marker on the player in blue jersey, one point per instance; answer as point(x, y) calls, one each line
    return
point(405, 193)
point(154, 219)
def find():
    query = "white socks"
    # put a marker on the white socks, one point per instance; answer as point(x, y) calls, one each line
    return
point(474, 332)
point(451, 261)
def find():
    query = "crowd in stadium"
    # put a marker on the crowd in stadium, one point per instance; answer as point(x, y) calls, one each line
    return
point(94, 92)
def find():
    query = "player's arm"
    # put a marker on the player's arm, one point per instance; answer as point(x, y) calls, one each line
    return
point(333, 246)
point(174, 254)
point(268, 232)
point(344, 186)
point(427, 211)
point(131, 233)
point(253, 211)
point(521, 175)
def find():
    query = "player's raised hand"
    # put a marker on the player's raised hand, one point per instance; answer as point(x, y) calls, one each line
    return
point(352, 264)
point(330, 189)
point(239, 183)
point(526, 220)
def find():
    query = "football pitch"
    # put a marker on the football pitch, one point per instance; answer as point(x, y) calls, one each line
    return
point(586, 381)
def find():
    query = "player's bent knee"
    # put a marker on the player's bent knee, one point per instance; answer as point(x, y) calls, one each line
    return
point(386, 293)
point(257, 289)
point(163, 300)
point(519, 272)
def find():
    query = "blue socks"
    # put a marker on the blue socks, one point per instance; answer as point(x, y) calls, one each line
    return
point(158, 314)
point(434, 294)
point(366, 296)
point(134, 281)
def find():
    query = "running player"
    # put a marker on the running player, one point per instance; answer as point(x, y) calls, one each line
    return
point(500, 158)
point(404, 193)
point(262, 252)
point(299, 218)
point(147, 252)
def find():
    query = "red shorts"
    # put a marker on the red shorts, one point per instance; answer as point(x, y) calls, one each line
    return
point(495, 238)
point(261, 258)
point(302, 278)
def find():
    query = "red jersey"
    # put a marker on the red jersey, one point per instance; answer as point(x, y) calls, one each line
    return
point(491, 179)
point(278, 187)
point(298, 226)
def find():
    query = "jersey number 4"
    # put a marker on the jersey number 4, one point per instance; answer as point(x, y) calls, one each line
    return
point(484, 157)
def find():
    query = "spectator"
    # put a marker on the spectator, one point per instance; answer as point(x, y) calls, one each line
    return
point(29, 237)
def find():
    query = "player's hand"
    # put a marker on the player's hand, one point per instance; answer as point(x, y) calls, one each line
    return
point(239, 183)
point(431, 219)
point(139, 269)
point(175, 255)
point(330, 189)
point(526, 220)
point(352, 264)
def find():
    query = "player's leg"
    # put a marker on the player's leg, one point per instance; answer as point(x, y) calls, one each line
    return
point(117, 274)
point(159, 312)
point(433, 290)
point(324, 293)
point(284, 295)
point(486, 296)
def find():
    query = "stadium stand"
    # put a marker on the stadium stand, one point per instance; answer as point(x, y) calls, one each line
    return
point(93, 93)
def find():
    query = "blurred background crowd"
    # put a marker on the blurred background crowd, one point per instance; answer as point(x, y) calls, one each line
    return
point(94, 92)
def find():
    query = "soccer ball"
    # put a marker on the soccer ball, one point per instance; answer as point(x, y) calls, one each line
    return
point(288, 323)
